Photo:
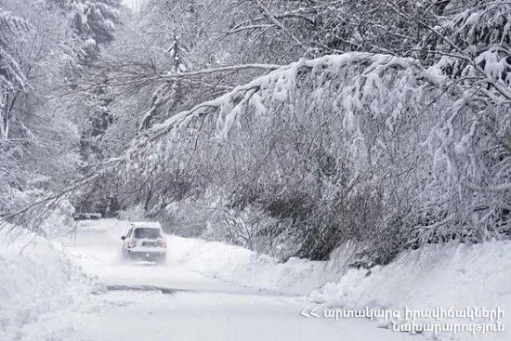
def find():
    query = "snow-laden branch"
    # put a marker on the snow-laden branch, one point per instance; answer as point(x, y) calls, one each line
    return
point(462, 55)
point(125, 75)
point(271, 17)
point(268, 67)
point(285, 15)
point(279, 84)
point(250, 27)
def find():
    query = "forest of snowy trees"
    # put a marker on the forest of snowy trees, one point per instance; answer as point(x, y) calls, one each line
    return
point(285, 126)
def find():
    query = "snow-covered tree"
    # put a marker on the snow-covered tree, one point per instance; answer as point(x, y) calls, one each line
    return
point(298, 125)
point(34, 124)
point(169, 94)
point(417, 146)
point(279, 133)
point(12, 78)
point(93, 21)
point(470, 145)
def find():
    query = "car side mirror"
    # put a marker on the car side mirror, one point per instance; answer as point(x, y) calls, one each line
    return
point(123, 238)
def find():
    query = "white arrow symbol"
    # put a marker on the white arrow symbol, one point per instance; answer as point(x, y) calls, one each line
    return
point(312, 312)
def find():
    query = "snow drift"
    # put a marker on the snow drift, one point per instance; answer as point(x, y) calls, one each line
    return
point(452, 276)
point(35, 279)
point(248, 268)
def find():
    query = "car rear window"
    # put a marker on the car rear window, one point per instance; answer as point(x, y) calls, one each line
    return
point(147, 232)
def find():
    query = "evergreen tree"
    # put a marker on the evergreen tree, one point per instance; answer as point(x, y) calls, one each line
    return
point(93, 21)
point(168, 95)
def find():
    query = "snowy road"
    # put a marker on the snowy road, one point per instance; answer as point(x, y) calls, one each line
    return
point(191, 307)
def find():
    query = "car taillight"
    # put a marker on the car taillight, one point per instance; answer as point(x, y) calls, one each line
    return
point(132, 243)
point(163, 243)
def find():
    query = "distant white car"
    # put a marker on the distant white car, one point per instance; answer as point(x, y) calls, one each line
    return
point(86, 216)
point(144, 241)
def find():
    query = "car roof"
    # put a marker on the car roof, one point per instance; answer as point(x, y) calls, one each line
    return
point(147, 224)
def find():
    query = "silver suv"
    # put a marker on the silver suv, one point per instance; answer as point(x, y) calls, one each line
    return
point(144, 241)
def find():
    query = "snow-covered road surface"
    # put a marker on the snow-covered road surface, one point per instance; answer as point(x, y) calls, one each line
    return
point(145, 302)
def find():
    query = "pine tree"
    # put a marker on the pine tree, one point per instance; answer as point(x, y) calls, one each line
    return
point(93, 21)
point(169, 94)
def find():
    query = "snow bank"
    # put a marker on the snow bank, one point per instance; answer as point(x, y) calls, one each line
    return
point(457, 277)
point(450, 277)
point(35, 279)
point(244, 267)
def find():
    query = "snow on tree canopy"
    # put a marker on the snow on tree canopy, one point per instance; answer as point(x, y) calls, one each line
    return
point(354, 82)
point(94, 21)
point(375, 96)
point(482, 33)
point(386, 114)
point(169, 93)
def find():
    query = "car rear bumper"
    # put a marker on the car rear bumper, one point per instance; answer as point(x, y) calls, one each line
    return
point(146, 253)
point(149, 256)
point(144, 249)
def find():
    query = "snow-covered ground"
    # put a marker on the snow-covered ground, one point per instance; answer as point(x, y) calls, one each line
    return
point(35, 281)
point(452, 278)
point(445, 280)
point(246, 268)
point(212, 291)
